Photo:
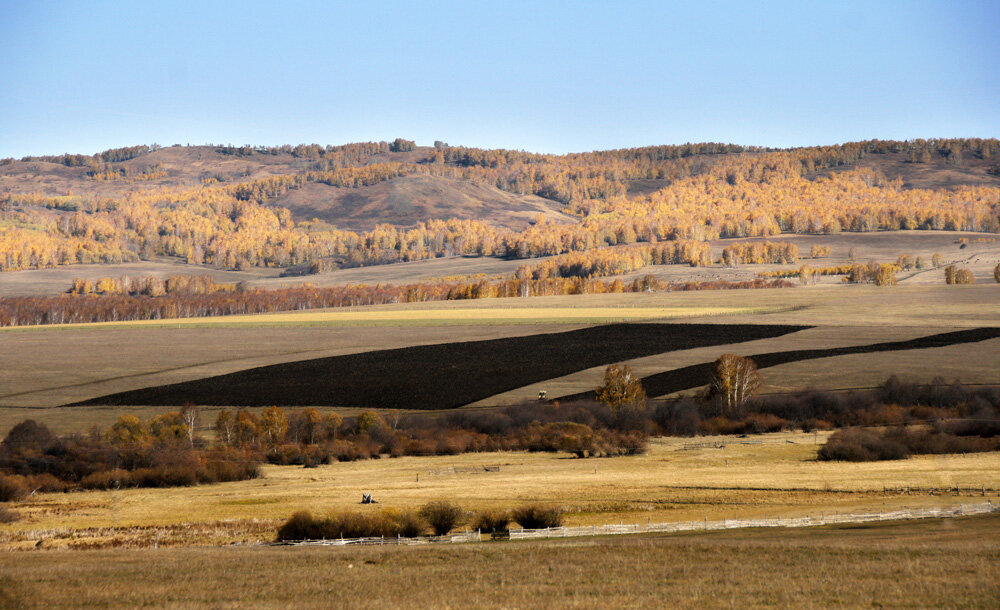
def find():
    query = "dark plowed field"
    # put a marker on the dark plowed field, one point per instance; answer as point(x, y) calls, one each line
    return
point(697, 375)
point(441, 376)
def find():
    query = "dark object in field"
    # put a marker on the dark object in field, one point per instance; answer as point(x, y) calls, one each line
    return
point(367, 499)
point(698, 374)
point(441, 376)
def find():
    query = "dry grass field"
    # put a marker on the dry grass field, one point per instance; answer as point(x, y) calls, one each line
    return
point(953, 564)
point(777, 476)
point(44, 367)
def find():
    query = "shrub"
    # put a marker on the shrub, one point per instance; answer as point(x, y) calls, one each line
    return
point(12, 488)
point(442, 516)
point(408, 524)
point(8, 516)
point(302, 526)
point(107, 479)
point(492, 521)
point(861, 446)
point(28, 435)
point(534, 516)
point(46, 482)
point(758, 423)
point(388, 523)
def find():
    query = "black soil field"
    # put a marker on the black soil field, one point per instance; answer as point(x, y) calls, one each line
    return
point(441, 376)
point(697, 375)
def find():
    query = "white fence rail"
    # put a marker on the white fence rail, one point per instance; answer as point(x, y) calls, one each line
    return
point(381, 540)
point(678, 526)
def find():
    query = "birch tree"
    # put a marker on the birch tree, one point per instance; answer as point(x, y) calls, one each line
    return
point(622, 388)
point(734, 380)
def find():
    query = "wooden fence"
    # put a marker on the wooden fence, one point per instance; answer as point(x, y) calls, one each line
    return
point(383, 540)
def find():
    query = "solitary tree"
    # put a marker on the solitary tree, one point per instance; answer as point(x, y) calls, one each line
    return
point(225, 427)
point(273, 425)
point(191, 417)
point(964, 276)
point(996, 273)
point(807, 274)
point(734, 380)
point(622, 388)
point(949, 274)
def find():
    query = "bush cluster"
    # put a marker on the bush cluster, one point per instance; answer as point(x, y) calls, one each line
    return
point(536, 516)
point(130, 454)
point(440, 516)
point(386, 523)
point(492, 521)
point(861, 446)
point(12, 488)
point(898, 443)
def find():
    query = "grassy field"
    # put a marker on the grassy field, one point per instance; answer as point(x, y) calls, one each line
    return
point(778, 477)
point(427, 377)
point(41, 368)
point(953, 563)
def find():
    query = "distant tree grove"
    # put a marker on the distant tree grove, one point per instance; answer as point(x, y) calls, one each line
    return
point(708, 191)
point(125, 299)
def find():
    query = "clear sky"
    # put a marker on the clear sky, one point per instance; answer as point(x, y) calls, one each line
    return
point(542, 76)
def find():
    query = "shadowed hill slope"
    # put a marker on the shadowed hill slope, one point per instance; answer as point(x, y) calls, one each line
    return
point(698, 375)
point(444, 375)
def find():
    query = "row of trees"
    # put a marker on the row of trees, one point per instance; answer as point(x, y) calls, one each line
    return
point(111, 306)
point(616, 261)
point(150, 286)
point(760, 253)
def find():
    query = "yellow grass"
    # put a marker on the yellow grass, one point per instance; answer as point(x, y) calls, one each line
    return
point(776, 477)
point(932, 563)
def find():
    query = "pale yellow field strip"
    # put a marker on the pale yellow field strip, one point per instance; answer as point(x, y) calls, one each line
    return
point(776, 475)
point(441, 316)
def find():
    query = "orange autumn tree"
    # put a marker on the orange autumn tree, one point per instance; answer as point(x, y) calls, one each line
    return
point(622, 388)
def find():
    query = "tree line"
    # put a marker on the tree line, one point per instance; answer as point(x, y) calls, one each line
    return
point(191, 298)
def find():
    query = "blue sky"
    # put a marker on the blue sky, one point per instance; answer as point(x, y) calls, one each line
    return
point(541, 76)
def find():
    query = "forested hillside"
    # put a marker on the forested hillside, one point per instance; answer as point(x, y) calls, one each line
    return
point(237, 207)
